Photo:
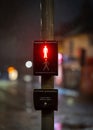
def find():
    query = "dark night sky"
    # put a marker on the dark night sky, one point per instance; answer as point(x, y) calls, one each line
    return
point(20, 24)
point(67, 10)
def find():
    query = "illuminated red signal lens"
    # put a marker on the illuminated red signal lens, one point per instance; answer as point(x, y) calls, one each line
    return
point(45, 51)
point(45, 58)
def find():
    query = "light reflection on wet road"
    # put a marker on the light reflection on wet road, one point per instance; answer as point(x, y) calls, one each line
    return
point(17, 111)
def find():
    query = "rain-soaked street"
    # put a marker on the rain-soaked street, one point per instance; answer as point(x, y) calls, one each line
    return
point(17, 111)
point(48, 42)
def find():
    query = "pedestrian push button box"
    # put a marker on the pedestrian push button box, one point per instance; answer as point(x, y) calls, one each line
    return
point(45, 99)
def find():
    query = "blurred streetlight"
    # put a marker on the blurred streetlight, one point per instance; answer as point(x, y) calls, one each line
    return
point(12, 73)
point(28, 64)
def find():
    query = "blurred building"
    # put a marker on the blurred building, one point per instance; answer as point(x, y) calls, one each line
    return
point(73, 37)
point(77, 34)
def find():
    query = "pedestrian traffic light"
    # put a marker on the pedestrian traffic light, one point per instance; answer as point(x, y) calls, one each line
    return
point(45, 51)
point(45, 58)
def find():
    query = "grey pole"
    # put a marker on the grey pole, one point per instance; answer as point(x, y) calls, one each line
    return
point(47, 33)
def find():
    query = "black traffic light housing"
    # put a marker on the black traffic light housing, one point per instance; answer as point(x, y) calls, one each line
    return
point(45, 58)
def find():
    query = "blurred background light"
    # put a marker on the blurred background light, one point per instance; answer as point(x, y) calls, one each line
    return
point(27, 78)
point(60, 57)
point(28, 64)
point(12, 73)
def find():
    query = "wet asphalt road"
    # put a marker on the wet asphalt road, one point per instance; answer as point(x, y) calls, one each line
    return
point(17, 111)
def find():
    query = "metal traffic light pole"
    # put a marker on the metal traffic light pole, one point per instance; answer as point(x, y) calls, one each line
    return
point(47, 33)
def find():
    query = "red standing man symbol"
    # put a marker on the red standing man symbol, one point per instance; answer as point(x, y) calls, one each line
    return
point(46, 63)
point(45, 51)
